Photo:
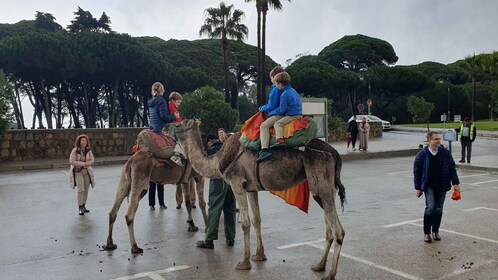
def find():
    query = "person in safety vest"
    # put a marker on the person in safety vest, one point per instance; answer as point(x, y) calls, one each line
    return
point(467, 135)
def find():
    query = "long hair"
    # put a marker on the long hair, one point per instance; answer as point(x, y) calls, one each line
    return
point(77, 143)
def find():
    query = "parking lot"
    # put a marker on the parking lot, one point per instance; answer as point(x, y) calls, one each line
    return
point(43, 237)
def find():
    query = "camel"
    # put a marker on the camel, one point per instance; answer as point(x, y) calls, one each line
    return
point(141, 168)
point(319, 163)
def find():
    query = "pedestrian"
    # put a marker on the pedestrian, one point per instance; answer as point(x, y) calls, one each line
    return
point(159, 115)
point(353, 131)
point(81, 172)
point(467, 135)
point(221, 199)
point(290, 108)
point(433, 174)
point(152, 195)
point(363, 132)
point(222, 134)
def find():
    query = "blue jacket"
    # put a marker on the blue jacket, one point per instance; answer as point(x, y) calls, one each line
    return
point(290, 103)
point(273, 101)
point(447, 170)
point(159, 114)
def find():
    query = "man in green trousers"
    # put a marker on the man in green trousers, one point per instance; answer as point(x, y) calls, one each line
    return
point(221, 198)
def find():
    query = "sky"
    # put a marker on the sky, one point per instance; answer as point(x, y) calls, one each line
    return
point(419, 30)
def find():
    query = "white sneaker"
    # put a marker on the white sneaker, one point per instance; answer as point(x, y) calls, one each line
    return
point(177, 160)
point(354, 149)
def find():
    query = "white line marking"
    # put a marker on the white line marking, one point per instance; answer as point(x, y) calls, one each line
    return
point(399, 172)
point(154, 274)
point(480, 208)
point(385, 268)
point(402, 223)
point(473, 175)
point(300, 244)
point(462, 234)
point(462, 271)
point(484, 182)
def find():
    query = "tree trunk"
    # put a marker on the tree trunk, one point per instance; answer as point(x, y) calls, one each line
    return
point(16, 103)
point(224, 43)
point(473, 97)
point(261, 102)
point(47, 108)
point(263, 60)
point(113, 112)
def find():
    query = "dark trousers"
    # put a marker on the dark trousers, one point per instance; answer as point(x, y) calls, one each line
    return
point(434, 203)
point(221, 199)
point(152, 193)
point(466, 145)
point(353, 138)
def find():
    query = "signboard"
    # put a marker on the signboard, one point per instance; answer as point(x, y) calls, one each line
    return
point(457, 118)
point(360, 107)
point(369, 102)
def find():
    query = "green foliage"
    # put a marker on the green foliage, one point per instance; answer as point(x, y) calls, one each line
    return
point(6, 94)
point(335, 123)
point(207, 104)
point(420, 109)
point(358, 52)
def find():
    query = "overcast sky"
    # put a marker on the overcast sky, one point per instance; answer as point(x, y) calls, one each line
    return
point(419, 30)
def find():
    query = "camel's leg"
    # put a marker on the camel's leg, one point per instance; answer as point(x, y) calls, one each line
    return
point(130, 218)
point(256, 222)
point(200, 196)
point(188, 204)
point(337, 234)
point(240, 195)
point(328, 243)
point(121, 193)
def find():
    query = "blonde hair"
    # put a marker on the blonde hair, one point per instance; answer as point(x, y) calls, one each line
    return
point(174, 96)
point(157, 88)
point(276, 70)
point(283, 78)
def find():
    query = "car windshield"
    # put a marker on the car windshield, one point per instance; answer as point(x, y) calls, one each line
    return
point(374, 118)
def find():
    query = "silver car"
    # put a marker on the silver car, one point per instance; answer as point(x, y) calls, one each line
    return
point(371, 118)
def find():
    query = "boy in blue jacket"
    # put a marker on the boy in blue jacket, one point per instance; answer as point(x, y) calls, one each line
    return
point(290, 108)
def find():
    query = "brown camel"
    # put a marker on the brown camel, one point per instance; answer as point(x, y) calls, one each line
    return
point(319, 163)
point(134, 183)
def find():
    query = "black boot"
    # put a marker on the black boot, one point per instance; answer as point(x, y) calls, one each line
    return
point(84, 209)
point(82, 212)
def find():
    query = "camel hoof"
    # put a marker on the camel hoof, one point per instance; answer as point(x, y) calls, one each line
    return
point(109, 247)
point(245, 265)
point(258, 257)
point(136, 250)
point(318, 267)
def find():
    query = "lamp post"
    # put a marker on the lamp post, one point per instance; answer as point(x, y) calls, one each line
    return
point(449, 110)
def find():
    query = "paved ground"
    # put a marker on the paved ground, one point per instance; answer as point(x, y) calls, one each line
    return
point(44, 238)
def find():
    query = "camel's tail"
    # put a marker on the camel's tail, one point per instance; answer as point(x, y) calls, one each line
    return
point(322, 146)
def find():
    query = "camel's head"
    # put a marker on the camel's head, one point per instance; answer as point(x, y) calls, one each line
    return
point(181, 129)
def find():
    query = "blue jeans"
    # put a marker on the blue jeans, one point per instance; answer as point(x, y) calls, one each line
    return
point(434, 202)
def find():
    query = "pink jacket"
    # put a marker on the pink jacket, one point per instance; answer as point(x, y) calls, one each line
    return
point(75, 160)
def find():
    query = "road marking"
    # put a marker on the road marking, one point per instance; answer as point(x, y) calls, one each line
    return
point(367, 262)
point(462, 234)
point(402, 223)
point(473, 175)
point(484, 182)
point(462, 270)
point(153, 274)
point(300, 244)
point(399, 172)
point(480, 208)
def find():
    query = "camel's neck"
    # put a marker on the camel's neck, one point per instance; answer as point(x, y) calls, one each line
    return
point(206, 166)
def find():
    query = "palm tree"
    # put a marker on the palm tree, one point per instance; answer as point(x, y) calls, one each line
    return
point(262, 7)
point(472, 65)
point(491, 64)
point(224, 23)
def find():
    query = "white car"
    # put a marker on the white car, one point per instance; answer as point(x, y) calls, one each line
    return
point(371, 118)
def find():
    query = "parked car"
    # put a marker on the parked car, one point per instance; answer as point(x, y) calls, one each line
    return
point(371, 118)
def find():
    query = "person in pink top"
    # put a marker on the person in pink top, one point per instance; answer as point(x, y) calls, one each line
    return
point(81, 171)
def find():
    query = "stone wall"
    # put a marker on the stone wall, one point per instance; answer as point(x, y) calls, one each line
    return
point(18, 144)
point(340, 134)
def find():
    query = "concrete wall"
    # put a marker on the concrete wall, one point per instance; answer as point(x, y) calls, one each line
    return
point(340, 134)
point(18, 144)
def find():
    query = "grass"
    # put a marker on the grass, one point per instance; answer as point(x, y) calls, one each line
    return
point(484, 125)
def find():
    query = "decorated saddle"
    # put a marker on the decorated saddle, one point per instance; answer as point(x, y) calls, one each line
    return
point(160, 145)
point(296, 133)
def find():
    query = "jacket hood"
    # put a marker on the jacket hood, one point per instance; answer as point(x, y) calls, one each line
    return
point(154, 101)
